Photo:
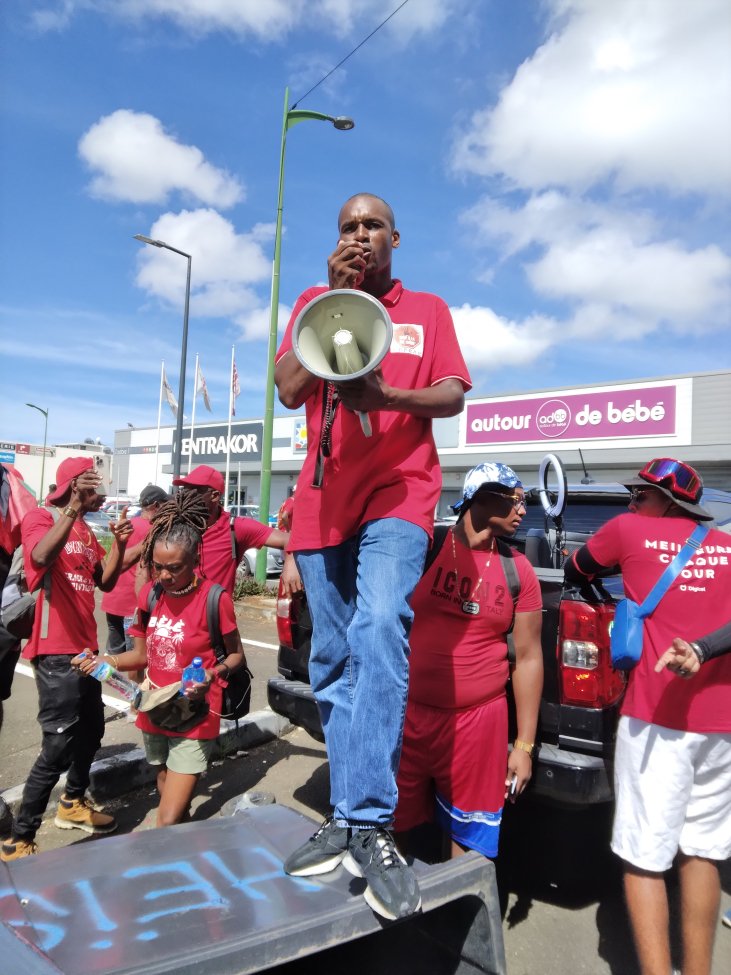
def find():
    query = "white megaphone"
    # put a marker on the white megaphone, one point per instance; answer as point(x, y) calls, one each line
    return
point(341, 335)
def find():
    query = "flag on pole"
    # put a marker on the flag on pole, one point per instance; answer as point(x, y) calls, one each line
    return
point(235, 388)
point(169, 395)
point(200, 387)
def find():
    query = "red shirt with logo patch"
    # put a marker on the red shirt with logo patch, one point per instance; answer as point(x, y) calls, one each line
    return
point(217, 561)
point(395, 473)
point(177, 631)
point(698, 602)
point(71, 623)
point(459, 660)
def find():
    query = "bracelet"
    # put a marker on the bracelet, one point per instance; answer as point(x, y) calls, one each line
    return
point(698, 651)
point(113, 656)
point(524, 746)
point(70, 512)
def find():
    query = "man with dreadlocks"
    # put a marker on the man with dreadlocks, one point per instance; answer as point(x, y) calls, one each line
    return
point(225, 539)
point(167, 639)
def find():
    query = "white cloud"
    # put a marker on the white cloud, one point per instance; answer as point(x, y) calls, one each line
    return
point(268, 20)
point(254, 322)
point(610, 258)
point(134, 159)
point(489, 342)
point(225, 265)
point(635, 91)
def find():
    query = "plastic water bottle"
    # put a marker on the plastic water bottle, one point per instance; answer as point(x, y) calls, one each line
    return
point(193, 673)
point(106, 674)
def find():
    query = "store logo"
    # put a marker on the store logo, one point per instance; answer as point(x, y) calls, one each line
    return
point(553, 418)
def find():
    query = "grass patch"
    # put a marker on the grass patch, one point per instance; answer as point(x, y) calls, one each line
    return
point(250, 587)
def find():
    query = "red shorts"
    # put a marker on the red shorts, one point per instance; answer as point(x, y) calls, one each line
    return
point(453, 768)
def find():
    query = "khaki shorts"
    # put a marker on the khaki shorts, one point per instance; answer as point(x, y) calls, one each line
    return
point(189, 756)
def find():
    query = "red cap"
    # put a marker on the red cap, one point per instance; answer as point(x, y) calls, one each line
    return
point(202, 476)
point(67, 470)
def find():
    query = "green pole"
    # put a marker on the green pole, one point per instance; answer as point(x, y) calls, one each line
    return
point(290, 118)
point(266, 445)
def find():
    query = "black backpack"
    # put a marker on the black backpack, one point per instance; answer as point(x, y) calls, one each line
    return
point(17, 602)
point(507, 560)
point(236, 700)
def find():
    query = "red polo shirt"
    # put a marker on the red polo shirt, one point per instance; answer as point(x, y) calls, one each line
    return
point(395, 473)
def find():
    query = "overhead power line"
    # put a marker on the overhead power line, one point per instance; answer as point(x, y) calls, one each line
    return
point(347, 56)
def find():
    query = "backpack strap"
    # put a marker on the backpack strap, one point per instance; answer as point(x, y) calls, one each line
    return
point(153, 596)
point(440, 534)
point(507, 560)
point(213, 601)
point(46, 607)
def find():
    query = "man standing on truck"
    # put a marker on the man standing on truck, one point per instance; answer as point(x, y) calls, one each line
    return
point(673, 753)
point(360, 535)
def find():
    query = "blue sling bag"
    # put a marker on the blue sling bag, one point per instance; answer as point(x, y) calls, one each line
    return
point(628, 627)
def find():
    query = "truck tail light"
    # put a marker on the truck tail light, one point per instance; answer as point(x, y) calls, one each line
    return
point(584, 659)
point(284, 618)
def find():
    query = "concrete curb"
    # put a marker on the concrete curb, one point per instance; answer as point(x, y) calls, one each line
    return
point(122, 773)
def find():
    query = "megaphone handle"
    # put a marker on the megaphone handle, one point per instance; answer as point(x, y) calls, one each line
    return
point(365, 423)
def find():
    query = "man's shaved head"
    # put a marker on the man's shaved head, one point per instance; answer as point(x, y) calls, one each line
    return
point(371, 196)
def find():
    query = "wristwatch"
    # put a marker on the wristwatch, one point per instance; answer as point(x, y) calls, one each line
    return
point(698, 651)
point(70, 512)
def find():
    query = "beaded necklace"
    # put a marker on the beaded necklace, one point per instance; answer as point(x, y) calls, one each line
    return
point(469, 606)
point(184, 592)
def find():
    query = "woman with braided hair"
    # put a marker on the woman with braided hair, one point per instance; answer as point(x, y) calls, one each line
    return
point(167, 638)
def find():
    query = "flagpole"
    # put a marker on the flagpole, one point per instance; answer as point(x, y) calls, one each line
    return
point(192, 416)
point(159, 416)
point(230, 411)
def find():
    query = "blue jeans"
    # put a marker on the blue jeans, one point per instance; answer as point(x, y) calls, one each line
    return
point(358, 593)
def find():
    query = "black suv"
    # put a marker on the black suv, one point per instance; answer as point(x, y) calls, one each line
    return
point(581, 691)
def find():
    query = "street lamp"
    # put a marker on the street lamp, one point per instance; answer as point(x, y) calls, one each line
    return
point(183, 353)
point(45, 432)
point(291, 117)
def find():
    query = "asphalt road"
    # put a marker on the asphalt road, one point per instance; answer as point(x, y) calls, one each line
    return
point(559, 885)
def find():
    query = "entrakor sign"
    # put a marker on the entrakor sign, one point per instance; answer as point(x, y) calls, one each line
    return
point(211, 444)
point(641, 411)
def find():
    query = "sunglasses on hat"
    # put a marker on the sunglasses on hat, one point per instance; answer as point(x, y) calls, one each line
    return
point(683, 480)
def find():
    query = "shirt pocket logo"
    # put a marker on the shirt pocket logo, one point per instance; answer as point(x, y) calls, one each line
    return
point(408, 339)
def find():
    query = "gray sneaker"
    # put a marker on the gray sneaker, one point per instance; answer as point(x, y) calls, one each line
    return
point(321, 853)
point(392, 889)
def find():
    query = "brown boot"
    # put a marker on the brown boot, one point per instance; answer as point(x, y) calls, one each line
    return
point(80, 814)
point(15, 849)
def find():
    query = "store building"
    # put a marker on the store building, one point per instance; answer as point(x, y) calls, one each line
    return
point(607, 432)
point(38, 465)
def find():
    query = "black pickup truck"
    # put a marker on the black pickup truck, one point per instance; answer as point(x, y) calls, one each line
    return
point(581, 691)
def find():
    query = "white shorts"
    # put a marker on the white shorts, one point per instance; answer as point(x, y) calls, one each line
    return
point(673, 792)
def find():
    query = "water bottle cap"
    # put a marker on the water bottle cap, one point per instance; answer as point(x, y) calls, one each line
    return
point(197, 661)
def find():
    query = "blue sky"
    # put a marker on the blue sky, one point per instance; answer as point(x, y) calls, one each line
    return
point(559, 172)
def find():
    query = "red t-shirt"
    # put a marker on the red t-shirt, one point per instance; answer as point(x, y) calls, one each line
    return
point(459, 660)
point(217, 562)
point(177, 632)
point(71, 623)
point(121, 601)
point(697, 603)
point(395, 473)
